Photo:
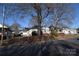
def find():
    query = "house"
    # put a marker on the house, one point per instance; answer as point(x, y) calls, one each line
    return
point(64, 30)
point(45, 30)
point(1, 26)
point(5, 28)
point(67, 31)
point(28, 31)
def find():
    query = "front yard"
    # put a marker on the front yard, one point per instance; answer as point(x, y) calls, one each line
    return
point(67, 36)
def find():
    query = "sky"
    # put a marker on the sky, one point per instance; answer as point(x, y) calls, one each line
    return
point(25, 22)
point(76, 19)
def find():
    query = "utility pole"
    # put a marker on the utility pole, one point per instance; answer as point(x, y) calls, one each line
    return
point(3, 15)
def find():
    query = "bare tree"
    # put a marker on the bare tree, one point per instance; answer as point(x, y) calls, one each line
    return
point(59, 15)
point(37, 11)
point(42, 11)
point(4, 15)
point(62, 15)
point(7, 10)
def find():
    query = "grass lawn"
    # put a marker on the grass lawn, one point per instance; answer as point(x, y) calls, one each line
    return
point(68, 36)
point(43, 38)
point(72, 36)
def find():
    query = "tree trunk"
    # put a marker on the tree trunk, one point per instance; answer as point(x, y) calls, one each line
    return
point(39, 23)
point(39, 18)
point(2, 37)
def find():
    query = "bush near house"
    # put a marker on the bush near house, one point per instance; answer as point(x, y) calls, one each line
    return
point(54, 34)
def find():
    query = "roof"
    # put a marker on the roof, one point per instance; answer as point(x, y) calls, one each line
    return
point(2, 26)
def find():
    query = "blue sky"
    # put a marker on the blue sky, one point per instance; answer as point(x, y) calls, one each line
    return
point(26, 21)
point(76, 19)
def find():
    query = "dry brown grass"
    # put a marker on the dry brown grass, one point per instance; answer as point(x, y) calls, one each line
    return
point(35, 39)
point(32, 39)
point(68, 36)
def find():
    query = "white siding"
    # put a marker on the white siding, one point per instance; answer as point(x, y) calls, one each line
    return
point(46, 30)
point(2, 26)
point(68, 31)
point(28, 33)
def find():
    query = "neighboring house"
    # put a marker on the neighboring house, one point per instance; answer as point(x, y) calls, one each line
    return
point(2, 26)
point(67, 31)
point(28, 31)
point(5, 28)
point(45, 30)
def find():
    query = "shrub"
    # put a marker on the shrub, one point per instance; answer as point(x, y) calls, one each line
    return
point(54, 34)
